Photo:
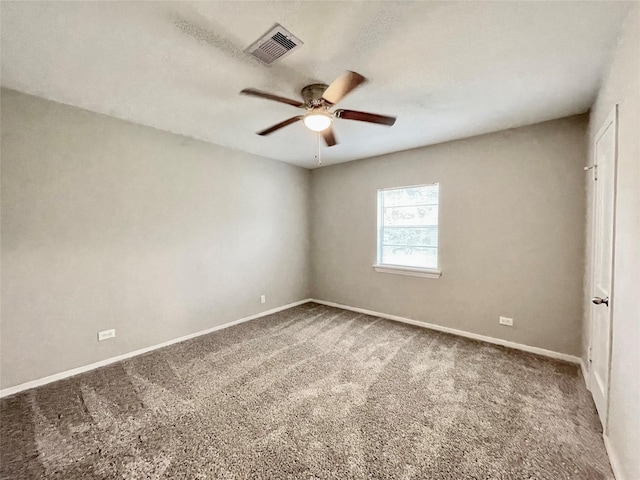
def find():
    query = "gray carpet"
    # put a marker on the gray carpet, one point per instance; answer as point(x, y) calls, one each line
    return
point(311, 392)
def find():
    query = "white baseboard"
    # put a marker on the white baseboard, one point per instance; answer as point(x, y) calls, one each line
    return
point(75, 371)
point(613, 460)
point(461, 333)
point(585, 373)
point(497, 341)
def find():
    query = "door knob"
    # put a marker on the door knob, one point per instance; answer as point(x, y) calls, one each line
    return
point(599, 301)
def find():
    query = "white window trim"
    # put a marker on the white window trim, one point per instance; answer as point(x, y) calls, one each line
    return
point(401, 269)
point(412, 271)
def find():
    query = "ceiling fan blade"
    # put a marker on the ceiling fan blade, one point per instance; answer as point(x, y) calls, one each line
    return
point(342, 86)
point(329, 137)
point(269, 96)
point(365, 117)
point(280, 125)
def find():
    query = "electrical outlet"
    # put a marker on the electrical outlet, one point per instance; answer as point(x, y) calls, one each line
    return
point(263, 298)
point(506, 321)
point(105, 334)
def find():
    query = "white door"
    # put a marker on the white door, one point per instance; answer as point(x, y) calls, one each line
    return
point(603, 236)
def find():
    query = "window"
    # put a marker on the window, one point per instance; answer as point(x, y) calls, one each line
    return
point(408, 230)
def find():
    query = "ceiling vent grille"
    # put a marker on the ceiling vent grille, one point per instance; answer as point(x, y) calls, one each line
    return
point(275, 44)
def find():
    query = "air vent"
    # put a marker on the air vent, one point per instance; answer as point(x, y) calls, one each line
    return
point(275, 44)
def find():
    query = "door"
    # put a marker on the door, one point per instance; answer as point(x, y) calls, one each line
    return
point(605, 150)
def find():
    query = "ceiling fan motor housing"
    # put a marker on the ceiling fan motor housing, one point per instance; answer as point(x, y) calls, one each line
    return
point(312, 94)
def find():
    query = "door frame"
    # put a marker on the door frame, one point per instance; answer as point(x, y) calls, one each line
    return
point(612, 118)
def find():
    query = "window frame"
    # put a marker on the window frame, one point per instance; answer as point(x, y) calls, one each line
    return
point(403, 269)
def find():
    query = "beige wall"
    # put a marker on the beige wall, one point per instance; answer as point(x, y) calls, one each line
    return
point(108, 224)
point(512, 210)
point(621, 86)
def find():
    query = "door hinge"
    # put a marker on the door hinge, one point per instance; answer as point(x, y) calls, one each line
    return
point(589, 355)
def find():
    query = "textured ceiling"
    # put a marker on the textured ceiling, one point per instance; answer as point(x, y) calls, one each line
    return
point(447, 70)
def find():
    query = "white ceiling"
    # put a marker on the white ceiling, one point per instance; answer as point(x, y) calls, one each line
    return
point(447, 70)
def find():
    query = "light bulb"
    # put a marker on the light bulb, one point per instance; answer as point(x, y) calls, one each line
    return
point(317, 121)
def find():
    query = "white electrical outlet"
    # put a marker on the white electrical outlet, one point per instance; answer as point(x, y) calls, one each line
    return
point(506, 321)
point(263, 298)
point(103, 335)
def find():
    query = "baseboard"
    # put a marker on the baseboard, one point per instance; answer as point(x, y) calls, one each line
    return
point(585, 374)
point(613, 460)
point(461, 333)
point(75, 371)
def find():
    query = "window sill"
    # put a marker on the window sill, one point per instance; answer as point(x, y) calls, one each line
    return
point(412, 271)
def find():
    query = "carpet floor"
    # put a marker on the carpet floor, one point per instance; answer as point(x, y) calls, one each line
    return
point(311, 392)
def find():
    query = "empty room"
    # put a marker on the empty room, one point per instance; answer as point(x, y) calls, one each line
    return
point(320, 239)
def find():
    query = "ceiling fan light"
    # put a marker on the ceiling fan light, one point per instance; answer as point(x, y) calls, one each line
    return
point(317, 121)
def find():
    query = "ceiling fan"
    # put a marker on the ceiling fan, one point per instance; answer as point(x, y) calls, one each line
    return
point(318, 99)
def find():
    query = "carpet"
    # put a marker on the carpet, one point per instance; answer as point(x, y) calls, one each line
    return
point(311, 392)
